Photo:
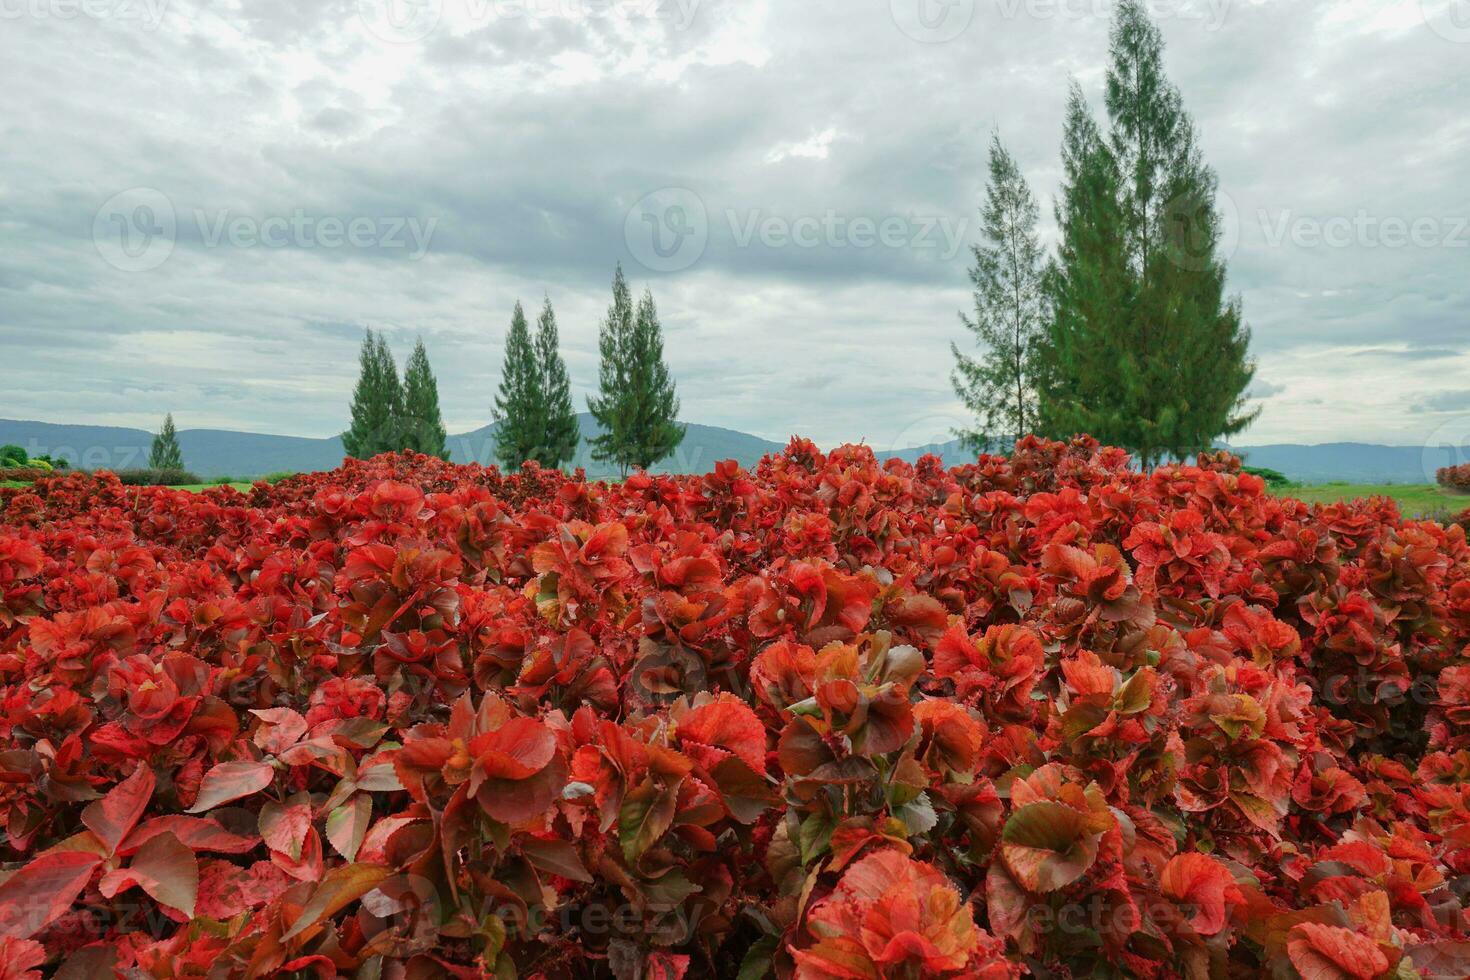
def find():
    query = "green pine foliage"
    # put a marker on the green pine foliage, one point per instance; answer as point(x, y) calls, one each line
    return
point(637, 404)
point(519, 406)
point(560, 432)
point(165, 453)
point(423, 425)
point(1143, 349)
point(1087, 370)
point(377, 403)
point(999, 385)
point(652, 431)
point(610, 407)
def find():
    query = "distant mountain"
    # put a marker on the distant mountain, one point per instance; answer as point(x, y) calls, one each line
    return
point(216, 452)
point(1353, 462)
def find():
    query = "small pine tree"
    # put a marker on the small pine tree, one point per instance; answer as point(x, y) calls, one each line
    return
point(377, 402)
point(611, 407)
point(560, 432)
point(423, 425)
point(651, 431)
point(519, 407)
point(999, 386)
point(165, 453)
point(392, 437)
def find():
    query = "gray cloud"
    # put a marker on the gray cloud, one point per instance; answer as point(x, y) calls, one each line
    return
point(525, 139)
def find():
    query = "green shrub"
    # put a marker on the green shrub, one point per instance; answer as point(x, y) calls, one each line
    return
point(278, 476)
point(156, 478)
point(13, 455)
point(1273, 478)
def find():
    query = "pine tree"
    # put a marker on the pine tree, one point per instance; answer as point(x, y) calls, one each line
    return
point(519, 407)
point(1143, 349)
point(377, 402)
point(423, 424)
point(651, 430)
point(165, 453)
point(560, 432)
point(1087, 375)
point(999, 386)
point(611, 406)
point(1194, 360)
point(392, 437)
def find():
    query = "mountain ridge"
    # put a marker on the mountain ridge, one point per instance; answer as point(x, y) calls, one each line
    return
point(213, 453)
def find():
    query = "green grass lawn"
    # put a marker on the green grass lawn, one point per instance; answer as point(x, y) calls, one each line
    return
point(1415, 500)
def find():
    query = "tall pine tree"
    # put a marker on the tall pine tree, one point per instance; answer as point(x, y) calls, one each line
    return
point(560, 432)
point(165, 453)
point(377, 402)
point(1087, 366)
point(1195, 365)
point(423, 425)
point(520, 405)
point(999, 386)
point(637, 404)
point(610, 407)
point(1144, 350)
point(652, 431)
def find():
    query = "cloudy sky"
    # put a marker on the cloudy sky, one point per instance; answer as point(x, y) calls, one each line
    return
point(203, 203)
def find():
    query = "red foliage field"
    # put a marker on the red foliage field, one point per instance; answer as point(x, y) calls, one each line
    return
point(828, 719)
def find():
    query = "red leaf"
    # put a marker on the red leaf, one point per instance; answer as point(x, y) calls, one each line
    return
point(1204, 883)
point(43, 890)
point(198, 833)
point(113, 817)
point(165, 868)
point(232, 781)
point(340, 888)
